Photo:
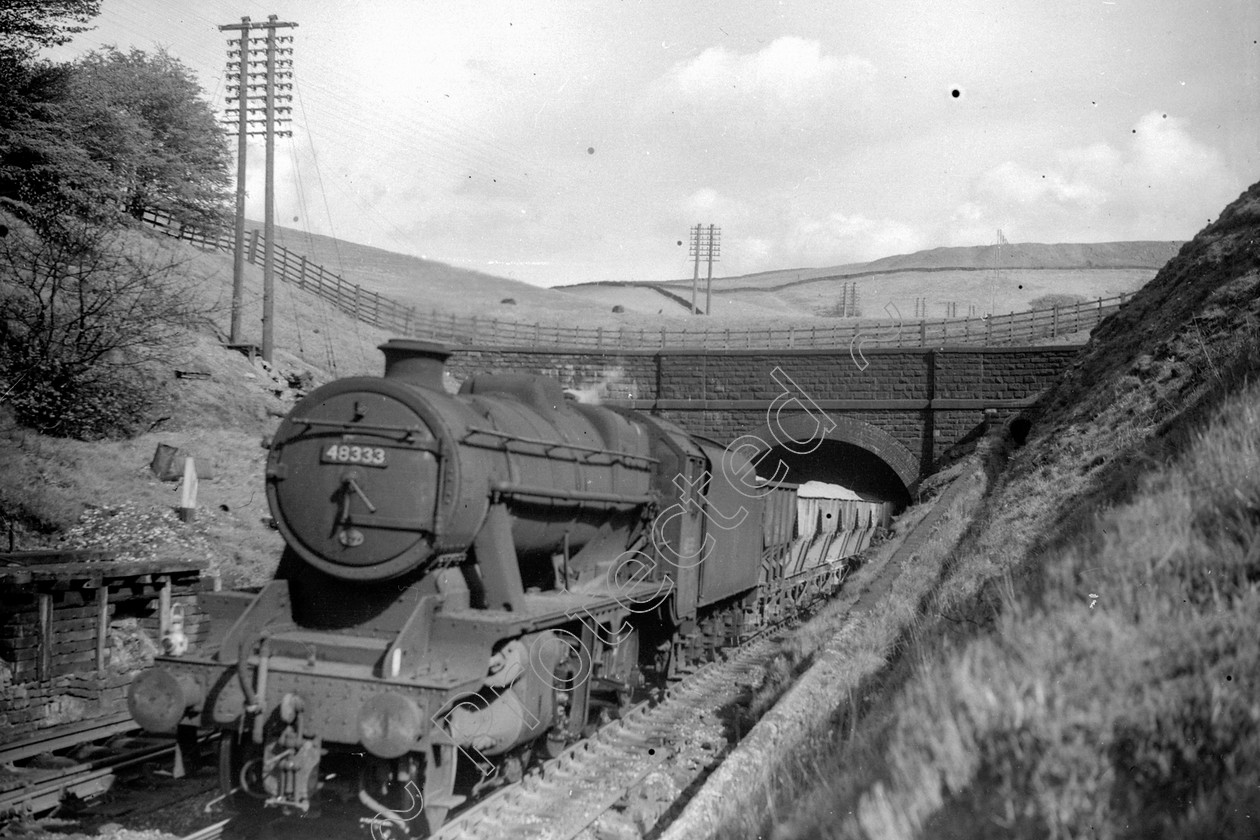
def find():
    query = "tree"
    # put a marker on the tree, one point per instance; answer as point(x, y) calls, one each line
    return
point(81, 313)
point(45, 172)
point(144, 117)
point(114, 133)
point(26, 26)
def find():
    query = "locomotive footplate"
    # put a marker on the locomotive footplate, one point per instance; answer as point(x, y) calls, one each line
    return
point(192, 689)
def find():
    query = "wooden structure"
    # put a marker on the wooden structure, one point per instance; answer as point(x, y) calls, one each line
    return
point(75, 628)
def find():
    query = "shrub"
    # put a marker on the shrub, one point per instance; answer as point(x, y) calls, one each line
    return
point(1056, 301)
point(114, 403)
point(81, 314)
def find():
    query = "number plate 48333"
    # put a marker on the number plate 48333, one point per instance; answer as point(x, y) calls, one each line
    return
point(351, 453)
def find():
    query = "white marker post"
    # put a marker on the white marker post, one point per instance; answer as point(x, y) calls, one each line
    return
point(188, 492)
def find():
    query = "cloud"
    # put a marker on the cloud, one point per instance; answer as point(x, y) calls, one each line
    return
point(1160, 184)
point(790, 87)
point(790, 74)
point(840, 238)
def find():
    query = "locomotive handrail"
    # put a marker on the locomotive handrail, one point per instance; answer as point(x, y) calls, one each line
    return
point(371, 427)
point(504, 488)
point(386, 523)
point(550, 445)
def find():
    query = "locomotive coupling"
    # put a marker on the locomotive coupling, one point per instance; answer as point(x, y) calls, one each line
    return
point(158, 700)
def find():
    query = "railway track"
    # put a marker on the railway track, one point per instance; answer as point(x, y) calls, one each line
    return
point(637, 765)
point(33, 779)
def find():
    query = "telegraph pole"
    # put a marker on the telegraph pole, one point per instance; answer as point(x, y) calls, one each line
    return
point(695, 275)
point(247, 56)
point(703, 248)
point(712, 250)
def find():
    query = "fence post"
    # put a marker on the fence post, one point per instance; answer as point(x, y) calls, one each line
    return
point(1054, 322)
point(599, 337)
point(253, 247)
point(988, 330)
point(791, 336)
point(302, 276)
point(662, 338)
point(923, 333)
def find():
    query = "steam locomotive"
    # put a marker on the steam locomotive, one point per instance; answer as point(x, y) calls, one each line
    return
point(473, 580)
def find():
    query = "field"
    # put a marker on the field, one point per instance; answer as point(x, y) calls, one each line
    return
point(891, 288)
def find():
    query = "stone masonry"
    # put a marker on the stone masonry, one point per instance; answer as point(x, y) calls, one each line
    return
point(907, 406)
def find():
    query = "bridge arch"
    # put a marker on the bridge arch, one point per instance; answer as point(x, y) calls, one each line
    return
point(838, 449)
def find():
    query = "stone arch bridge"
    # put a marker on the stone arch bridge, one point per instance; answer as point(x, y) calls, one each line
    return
point(876, 420)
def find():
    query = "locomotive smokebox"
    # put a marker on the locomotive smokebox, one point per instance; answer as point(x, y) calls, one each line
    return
point(417, 362)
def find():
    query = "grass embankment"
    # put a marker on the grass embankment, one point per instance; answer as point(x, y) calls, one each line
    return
point(835, 657)
point(1087, 665)
point(63, 493)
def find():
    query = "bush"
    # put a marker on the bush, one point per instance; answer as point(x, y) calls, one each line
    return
point(116, 403)
point(82, 314)
point(1056, 301)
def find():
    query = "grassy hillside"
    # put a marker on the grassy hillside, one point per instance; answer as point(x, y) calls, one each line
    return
point(69, 493)
point(963, 277)
point(428, 284)
point(975, 279)
point(1086, 664)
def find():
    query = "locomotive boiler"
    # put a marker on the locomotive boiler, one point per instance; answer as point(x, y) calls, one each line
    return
point(470, 580)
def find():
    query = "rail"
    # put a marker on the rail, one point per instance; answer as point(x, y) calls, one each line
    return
point(388, 314)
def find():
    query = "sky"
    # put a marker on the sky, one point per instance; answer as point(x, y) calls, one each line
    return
point(564, 141)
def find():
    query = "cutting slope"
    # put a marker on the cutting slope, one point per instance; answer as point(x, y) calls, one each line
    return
point(1087, 664)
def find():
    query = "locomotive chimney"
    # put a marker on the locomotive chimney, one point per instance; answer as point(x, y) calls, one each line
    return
point(418, 362)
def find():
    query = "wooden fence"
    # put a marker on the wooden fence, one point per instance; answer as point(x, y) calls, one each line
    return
point(390, 315)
